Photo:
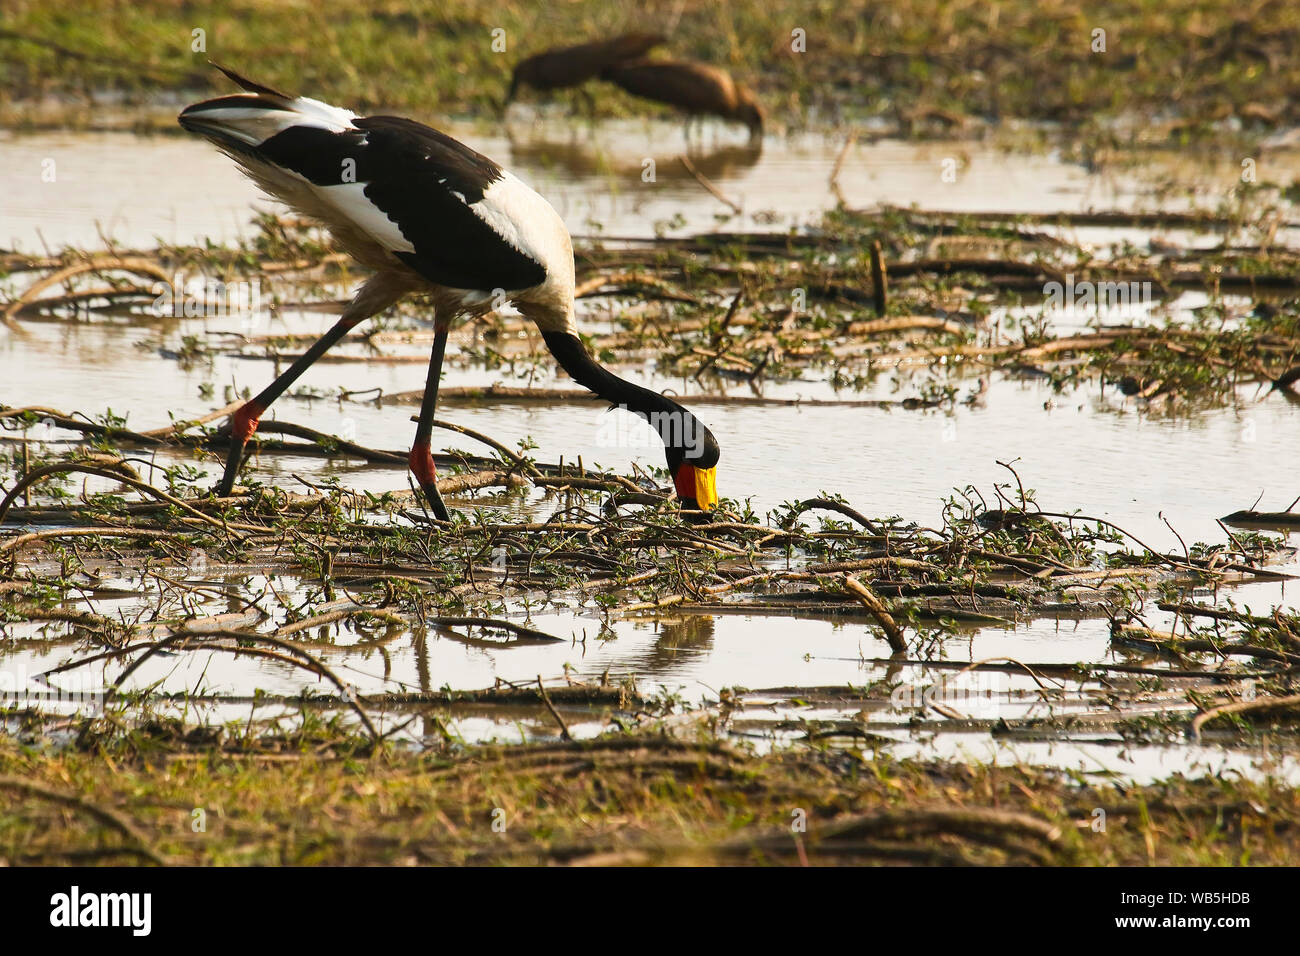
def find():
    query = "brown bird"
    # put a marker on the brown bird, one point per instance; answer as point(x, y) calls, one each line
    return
point(696, 88)
point(574, 65)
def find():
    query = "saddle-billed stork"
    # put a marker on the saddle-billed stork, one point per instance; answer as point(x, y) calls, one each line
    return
point(428, 215)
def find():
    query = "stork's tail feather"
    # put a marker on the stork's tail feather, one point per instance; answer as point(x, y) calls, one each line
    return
point(249, 119)
point(245, 83)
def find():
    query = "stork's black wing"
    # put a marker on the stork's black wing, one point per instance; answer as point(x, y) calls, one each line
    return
point(436, 191)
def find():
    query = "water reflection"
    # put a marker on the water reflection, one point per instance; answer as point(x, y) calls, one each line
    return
point(136, 190)
point(585, 157)
point(680, 641)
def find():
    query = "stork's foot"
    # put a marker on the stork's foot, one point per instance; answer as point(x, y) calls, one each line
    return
point(421, 462)
point(234, 458)
point(436, 506)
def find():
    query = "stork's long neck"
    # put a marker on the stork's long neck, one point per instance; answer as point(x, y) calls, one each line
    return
point(684, 436)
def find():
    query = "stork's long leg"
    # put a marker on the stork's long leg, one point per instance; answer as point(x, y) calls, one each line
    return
point(375, 296)
point(421, 458)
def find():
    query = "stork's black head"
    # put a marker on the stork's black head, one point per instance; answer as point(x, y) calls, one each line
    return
point(693, 456)
point(689, 446)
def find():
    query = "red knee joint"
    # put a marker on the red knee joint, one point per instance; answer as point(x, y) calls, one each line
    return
point(244, 422)
point(421, 462)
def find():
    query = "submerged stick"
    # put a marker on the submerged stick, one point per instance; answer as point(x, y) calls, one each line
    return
point(826, 504)
point(1271, 519)
point(34, 476)
point(107, 263)
point(839, 165)
point(878, 278)
point(309, 661)
point(704, 181)
point(546, 699)
point(894, 634)
point(1241, 707)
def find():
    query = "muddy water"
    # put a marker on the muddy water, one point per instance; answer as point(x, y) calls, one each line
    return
point(1100, 454)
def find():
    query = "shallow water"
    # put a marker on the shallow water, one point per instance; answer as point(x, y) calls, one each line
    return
point(1101, 454)
point(1078, 450)
point(133, 190)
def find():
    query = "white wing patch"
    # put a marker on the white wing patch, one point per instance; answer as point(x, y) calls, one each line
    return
point(522, 218)
point(351, 200)
point(513, 211)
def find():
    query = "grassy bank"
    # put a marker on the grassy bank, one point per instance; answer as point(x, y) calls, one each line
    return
point(154, 797)
point(1183, 63)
